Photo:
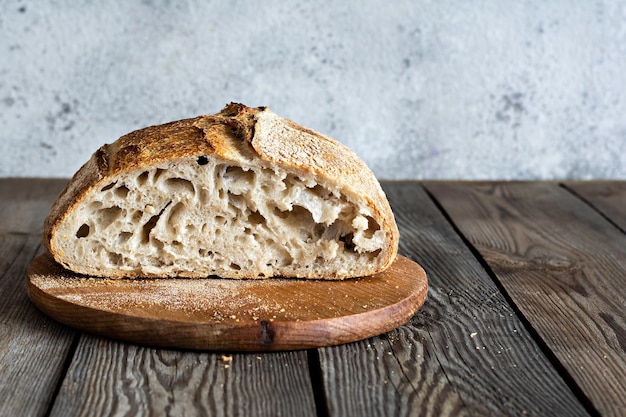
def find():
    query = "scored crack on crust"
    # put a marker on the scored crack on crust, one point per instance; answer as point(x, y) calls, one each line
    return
point(243, 137)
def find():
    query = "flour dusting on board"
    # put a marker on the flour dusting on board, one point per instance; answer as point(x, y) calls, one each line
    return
point(224, 298)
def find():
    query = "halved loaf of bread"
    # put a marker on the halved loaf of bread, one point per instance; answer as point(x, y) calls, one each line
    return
point(240, 194)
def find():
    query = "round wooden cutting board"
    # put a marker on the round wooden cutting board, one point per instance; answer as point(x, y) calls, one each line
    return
point(226, 314)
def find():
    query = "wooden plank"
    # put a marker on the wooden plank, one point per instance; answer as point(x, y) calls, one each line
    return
point(563, 265)
point(25, 202)
point(464, 353)
point(608, 197)
point(33, 348)
point(117, 379)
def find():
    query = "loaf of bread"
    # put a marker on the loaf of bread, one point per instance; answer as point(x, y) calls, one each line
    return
point(240, 194)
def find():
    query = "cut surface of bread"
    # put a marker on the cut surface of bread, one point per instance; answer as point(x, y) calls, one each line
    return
point(240, 194)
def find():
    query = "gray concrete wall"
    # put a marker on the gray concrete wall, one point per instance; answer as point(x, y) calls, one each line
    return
point(419, 89)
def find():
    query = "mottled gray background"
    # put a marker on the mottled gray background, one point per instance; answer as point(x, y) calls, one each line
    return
point(419, 89)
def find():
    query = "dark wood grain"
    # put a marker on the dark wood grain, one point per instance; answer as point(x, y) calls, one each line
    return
point(608, 197)
point(25, 202)
point(563, 265)
point(115, 379)
point(33, 348)
point(230, 315)
point(464, 353)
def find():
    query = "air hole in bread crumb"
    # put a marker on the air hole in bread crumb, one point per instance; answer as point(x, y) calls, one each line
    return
point(347, 241)
point(124, 237)
point(372, 227)
point(235, 267)
point(283, 214)
point(176, 217)
point(205, 198)
point(179, 185)
point(157, 174)
point(256, 218)
point(115, 258)
point(237, 203)
point(108, 186)
point(238, 174)
point(286, 260)
point(137, 215)
point(83, 231)
point(108, 215)
point(150, 224)
point(321, 192)
point(147, 228)
point(202, 160)
point(121, 191)
point(318, 230)
point(142, 178)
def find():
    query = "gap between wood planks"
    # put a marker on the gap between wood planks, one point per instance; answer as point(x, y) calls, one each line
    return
point(591, 205)
point(317, 383)
point(63, 373)
point(545, 349)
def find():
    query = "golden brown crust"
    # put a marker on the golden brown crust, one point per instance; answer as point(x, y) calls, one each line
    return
point(237, 133)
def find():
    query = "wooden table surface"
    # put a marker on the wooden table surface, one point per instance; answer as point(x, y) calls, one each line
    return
point(525, 316)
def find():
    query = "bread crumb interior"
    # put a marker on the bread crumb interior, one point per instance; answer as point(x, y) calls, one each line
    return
point(206, 216)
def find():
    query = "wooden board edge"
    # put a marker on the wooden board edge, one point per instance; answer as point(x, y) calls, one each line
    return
point(257, 337)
